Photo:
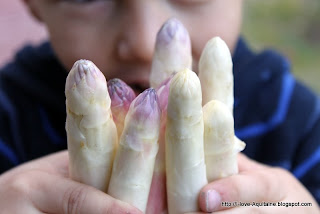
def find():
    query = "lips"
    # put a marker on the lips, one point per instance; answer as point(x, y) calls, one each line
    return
point(138, 88)
point(137, 83)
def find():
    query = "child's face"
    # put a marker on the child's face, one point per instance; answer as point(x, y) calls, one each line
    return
point(119, 35)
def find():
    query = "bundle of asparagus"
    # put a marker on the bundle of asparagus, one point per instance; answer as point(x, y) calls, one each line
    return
point(188, 120)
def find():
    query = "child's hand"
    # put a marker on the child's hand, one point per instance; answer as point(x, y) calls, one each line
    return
point(256, 183)
point(43, 186)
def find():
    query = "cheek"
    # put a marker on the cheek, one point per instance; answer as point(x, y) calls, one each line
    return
point(72, 41)
point(224, 24)
point(74, 44)
point(199, 41)
point(79, 32)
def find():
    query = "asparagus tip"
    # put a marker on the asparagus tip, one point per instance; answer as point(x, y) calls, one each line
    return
point(84, 70)
point(147, 105)
point(172, 29)
point(120, 93)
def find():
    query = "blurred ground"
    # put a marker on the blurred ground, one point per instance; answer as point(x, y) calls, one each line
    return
point(290, 26)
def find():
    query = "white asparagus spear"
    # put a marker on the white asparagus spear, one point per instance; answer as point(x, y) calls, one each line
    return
point(172, 52)
point(134, 162)
point(220, 144)
point(91, 132)
point(121, 97)
point(215, 73)
point(185, 161)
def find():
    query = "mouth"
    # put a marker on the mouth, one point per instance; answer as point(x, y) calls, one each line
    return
point(137, 79)
point(138, 87)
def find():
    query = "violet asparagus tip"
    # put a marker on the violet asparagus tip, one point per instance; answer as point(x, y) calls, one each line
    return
point(120, 93)
point(84, 69)
point(172, 29)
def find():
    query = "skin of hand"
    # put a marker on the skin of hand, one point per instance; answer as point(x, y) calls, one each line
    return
point(43, 186)
point(256, 183)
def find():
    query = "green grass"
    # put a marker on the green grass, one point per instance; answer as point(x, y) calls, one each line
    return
point(290, 26)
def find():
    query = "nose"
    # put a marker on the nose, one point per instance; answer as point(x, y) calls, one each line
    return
point(140, 22)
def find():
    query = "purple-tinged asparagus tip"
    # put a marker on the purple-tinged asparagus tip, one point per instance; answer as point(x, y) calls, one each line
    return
point(84, 69)
point(120, 93)
point(146, 106)
point(172, 29)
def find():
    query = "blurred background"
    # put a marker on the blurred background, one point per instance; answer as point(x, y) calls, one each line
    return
point(290, 26)
point(17, 28)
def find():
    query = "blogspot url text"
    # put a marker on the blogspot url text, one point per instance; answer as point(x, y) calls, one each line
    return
point(265, 204)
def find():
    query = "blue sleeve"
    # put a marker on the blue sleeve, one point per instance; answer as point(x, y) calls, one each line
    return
point(276, 115)
point(8, 152)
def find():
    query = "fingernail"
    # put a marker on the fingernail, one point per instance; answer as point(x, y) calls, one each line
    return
point(213, 200)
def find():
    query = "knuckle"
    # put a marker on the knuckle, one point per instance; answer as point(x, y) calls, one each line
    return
point(284, 180)
point(271, 181)
point(21, 183)
point(265, 183)
point(73, 199)
point(264, 178)
point(234, 190)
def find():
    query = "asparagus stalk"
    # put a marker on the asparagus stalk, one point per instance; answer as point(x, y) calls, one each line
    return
point(215, 73)
point(172, 52)
point(157, 202)
point(185, 161)
point(91, 132)
point(134, 162)
point(220, 144)
point(121, 97)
